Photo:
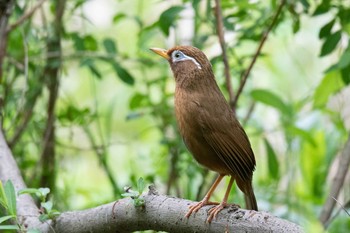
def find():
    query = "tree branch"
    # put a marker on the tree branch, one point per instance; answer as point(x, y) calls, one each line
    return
point(51, 73)
point(25, 16)
point(257, 53)
point(220, 33)
point(5, 12)
point(27, 211)
point(337, 184)
point(161, 213)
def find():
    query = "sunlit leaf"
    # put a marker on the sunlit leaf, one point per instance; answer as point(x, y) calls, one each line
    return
point(44, 217)
point(137, 101)
point(11, 197)
point(90, 43)
point(331, 83)
point(168, 18)
point(47, 205)
point(272, 161)
point(5, 218)
point(9, 227)
point(3, 201)
point(330, 43)
point(271, 99)
point(313, 166)
point(140, 185)
point(118, 17)
point(44, 191)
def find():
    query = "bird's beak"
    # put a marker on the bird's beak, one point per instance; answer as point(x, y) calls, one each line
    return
point(161, 52)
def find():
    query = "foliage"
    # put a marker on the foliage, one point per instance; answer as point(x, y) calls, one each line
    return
point(136, 195)
point(46, 206)
point(112, 102)
point(8, 202)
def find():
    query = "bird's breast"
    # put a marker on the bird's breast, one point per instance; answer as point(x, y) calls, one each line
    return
point(188, 109)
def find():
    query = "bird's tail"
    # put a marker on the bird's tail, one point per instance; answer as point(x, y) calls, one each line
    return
point(249, 198)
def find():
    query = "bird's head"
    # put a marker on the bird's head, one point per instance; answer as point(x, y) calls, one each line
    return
point(186, 62)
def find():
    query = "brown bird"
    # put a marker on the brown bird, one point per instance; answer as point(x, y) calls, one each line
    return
point(209, 127)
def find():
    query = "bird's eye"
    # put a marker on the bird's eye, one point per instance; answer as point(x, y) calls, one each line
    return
point(177, 55)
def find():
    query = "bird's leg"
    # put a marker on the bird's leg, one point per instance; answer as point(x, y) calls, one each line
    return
point(205, 201)
point(213, 212)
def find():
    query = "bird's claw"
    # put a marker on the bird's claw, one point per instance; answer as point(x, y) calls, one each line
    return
point(194, 208)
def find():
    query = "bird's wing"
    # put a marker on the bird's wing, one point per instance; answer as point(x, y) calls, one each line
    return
point(226, 136)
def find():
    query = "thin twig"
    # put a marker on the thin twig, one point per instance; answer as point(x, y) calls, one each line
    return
point(220, 33)
point(257, 53)
point(249, 113)
point(25, 16)
point(343, 207)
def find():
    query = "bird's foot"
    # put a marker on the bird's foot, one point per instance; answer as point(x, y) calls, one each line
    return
point(197, 206)
point(213, 212)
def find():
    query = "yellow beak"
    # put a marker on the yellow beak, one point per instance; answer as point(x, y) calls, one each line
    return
point(161, 52)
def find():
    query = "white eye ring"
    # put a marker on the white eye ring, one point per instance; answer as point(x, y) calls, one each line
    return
point(178, 56)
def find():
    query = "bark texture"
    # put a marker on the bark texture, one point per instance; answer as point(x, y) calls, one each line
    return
point(161, 213)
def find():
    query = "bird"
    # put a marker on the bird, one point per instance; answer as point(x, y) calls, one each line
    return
point(209, 127)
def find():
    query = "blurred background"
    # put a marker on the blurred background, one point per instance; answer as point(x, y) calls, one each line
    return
point(87, 109)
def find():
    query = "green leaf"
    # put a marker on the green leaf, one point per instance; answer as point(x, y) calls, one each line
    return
point(344, 16)
point(322, 8)
point(326, 29)
point(44, 217)
point(44, 191)
point(47, 206)
point(272, 161)
point(109, 45)
point(313, 166)
point(54, 213)
point(168, 18)
point(331, 83)
point(137, 101)
point(78, 42)
point(90, 43)
point(123, 74)
point(345, 75)
point(118, 17)
point(140, 185)
point(269, 98)
point(9, 227)
point(5, 218)
point(305, 135)
point(3, 201)
point(28, 191)
point(90, 63)
point(138, 202)
point(296, 25)
point(11, 197)
point(344, 60)
point(330, 43)
point(131, 193)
